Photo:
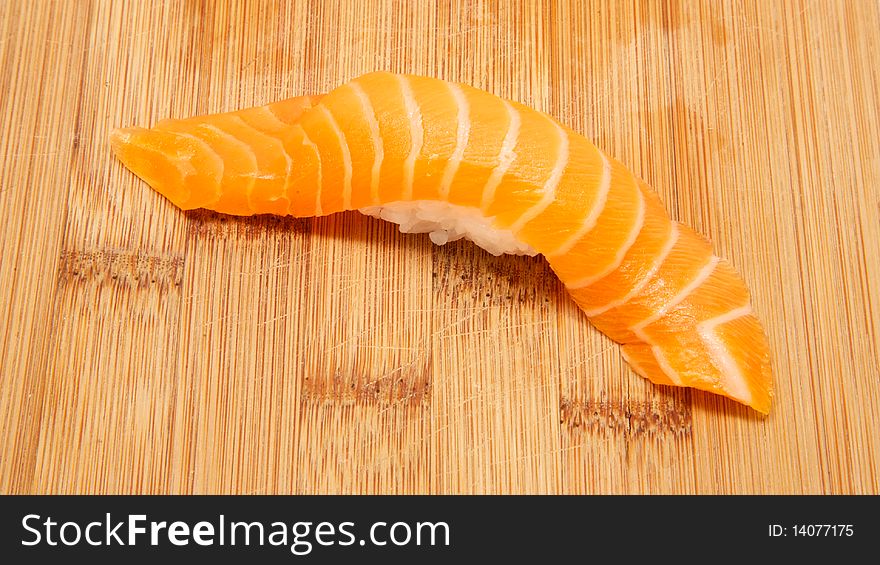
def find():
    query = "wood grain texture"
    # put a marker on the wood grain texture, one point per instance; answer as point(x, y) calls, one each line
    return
point(146, 350)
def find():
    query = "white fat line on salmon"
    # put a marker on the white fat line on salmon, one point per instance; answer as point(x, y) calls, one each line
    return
point(346, 157)
point(639, 329)
point(637, 367)
point(643, 282)
point(274, 117)
point(701, 277)
point(266, 176)
point(221, 164)
point(505, 158)
point(549, 190)
point(593, 217)
point(734, 382)
point(235, 141)
point(124, 137)
point(248, 149)
point(659, 358)
point(631, 238)
point(288, 161)
point(630, 241)
point(375, 135)
point(307, 141)
point(417, 135)
point(664, 365)
point(182, 162)
point(463, 132)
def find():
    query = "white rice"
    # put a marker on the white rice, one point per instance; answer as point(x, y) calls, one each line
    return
point(444, 222)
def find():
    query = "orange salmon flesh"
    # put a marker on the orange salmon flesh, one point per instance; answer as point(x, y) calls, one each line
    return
point(682, 315)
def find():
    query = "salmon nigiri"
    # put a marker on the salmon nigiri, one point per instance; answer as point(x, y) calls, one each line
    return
point(454, 161)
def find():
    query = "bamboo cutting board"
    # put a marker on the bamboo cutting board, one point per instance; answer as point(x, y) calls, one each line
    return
point(146, 350)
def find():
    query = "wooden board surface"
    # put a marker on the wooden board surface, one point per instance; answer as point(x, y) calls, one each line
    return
point(145, 350)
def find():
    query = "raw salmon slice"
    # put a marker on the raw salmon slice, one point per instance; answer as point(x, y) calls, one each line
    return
point(454, 161)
